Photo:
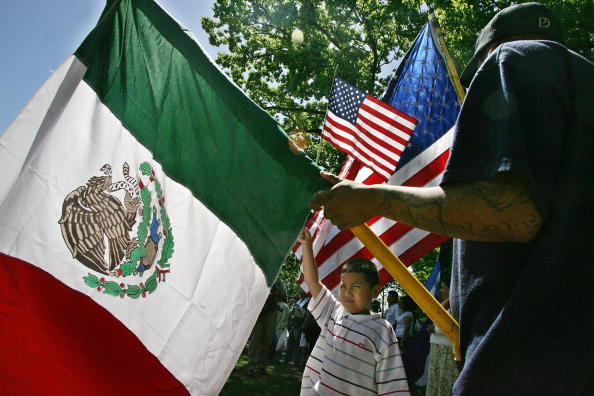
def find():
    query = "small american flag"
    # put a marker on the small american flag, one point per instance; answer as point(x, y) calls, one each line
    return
point(422, 88)
point(366, 128)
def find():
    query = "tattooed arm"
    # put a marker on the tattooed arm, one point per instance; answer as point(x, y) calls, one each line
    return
point(497, 210)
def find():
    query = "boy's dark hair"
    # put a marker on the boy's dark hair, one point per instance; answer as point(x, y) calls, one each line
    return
point(362, 266)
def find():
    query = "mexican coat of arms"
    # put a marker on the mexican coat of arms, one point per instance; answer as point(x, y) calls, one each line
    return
point(120, 230)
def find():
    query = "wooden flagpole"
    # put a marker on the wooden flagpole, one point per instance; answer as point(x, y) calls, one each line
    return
point(327, 105)
point(438, 37)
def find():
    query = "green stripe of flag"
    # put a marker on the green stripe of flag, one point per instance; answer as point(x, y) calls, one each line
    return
point(203, 130)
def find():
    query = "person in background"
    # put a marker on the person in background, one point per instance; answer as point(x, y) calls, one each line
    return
point(393, 311)
point(296, 318)
point(303, 344)
point(262, 337)
point(311, 330)
point(442, 370)
point(281, 332)
point(375, 306)
point(406, 322)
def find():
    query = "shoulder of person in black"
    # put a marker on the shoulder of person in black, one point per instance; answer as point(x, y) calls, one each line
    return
point(520, 94)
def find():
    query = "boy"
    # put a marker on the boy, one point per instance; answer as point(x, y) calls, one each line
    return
point(357, 352)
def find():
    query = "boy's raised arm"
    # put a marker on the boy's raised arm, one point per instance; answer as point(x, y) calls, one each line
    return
point(310, 269)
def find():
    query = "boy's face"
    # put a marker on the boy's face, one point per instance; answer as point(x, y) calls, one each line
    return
point(355, 293)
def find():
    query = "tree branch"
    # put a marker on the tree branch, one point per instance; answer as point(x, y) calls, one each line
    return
point(294, 109)
point(372, 42)
point(327, 34)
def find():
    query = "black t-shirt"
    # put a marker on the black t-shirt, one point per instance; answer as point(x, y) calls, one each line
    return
point(525, 309)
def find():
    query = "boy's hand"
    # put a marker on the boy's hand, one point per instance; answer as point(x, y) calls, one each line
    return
point(304, 237)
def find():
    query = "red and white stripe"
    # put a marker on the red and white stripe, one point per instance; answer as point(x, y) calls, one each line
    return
point(378, 137)
point(333, 247)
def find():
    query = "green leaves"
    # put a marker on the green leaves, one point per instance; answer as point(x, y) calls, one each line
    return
point(364, 39)
point(357, 36)
point(151, 283)
point(115, 289)
point(145, 168)
point(128, 268)
point(134, 291)
point(461, 21)
point(145, 196)
point(112, 288)
point(91, 280)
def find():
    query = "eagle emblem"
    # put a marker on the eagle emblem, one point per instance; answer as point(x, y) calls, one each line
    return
point(119, 229)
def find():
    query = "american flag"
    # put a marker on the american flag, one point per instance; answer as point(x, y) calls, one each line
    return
point(422, 88)
point(366, 128)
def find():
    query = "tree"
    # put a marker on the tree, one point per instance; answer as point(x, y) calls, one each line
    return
point(421, 269)
point(293, 81)
point(288, 273)
point(360, 39)
point(461, 22)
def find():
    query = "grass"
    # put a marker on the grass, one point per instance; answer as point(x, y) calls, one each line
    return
point(280, 379)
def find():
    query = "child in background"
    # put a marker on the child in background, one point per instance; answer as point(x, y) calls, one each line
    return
point(357, 352)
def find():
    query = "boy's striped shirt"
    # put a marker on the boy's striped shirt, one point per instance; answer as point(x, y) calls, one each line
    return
point(354, 355)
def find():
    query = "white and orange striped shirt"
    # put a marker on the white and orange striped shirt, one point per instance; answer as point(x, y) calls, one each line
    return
point(354, 355)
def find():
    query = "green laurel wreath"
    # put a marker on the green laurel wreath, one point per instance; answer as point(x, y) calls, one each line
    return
point(129, 268)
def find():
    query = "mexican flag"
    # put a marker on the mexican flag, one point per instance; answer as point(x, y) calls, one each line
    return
point(146, 206)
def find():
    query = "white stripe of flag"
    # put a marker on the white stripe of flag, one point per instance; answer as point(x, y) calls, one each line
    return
point(324, 232)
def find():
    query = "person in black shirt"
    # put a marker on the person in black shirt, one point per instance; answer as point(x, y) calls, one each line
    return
point(518, 193)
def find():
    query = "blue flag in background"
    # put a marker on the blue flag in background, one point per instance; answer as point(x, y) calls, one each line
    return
point(432, 282)
point(421, 87)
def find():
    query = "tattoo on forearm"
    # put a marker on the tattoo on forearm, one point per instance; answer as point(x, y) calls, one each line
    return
point(497, 210)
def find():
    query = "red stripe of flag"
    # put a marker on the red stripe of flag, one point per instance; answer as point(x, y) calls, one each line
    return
point(429, 172)
point(392, 109)
point(390, 116)
point(357, 147)
point(419, 179)
point(387, 147)
point(375, 127)
point(371, 133)
point(55, 340)
point(408, 257)
point(394, 120)
point(343, 128)
point(389, 236)
point(360, 155)
point(421, 248)
point(390, 120)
